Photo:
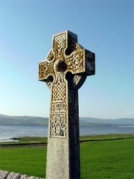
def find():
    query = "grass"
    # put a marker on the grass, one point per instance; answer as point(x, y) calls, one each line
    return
point(108, 159)
point(102, 157)
point(30, 161)
point(26, 140)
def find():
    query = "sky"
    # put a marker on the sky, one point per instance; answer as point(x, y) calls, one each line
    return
point(105, 27)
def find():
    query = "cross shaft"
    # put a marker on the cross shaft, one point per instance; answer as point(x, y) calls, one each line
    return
point(65, 70)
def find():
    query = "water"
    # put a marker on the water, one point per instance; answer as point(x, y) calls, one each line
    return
point(9, 132)
point(103, 129)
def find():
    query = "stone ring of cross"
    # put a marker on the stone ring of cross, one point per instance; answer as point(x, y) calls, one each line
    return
point(68, 58)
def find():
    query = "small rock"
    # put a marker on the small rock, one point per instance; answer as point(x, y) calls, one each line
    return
point(13, 175)
point(3, 174)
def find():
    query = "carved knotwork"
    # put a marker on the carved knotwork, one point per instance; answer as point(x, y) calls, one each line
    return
point(59, 88)
point(45, 70)
point(59, 45)
point(58, 125)
point(59, 106)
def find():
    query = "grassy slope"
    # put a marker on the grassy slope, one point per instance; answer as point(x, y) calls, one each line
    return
point(107, 159)
point(100, 158)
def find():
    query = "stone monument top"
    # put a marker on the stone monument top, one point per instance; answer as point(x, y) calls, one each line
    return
point(66, 56)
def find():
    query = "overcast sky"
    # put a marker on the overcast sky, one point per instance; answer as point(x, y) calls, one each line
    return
point(104, 27)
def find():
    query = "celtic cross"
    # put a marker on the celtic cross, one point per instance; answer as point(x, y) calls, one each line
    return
point(65, 70)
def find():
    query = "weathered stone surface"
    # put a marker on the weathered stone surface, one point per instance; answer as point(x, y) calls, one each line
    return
point(24, 177)
point(12, 175)
point(65, 70)
point(3, 174)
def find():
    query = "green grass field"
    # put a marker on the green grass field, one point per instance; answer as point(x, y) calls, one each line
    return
point(102, 157)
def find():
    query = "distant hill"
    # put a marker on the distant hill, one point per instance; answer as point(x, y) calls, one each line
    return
point(22, 120)
point(97, 121)
point(43, 121)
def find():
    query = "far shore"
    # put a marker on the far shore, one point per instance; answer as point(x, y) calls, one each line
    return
point(42, 141)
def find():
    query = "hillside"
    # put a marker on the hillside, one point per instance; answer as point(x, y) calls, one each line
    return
point(22, 120)
point(42, 121)
point(120, 121)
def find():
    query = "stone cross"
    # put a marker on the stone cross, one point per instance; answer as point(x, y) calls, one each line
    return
point(65, 70)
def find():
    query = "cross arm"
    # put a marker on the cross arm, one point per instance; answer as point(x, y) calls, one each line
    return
point(81, 61)
point(45, 70)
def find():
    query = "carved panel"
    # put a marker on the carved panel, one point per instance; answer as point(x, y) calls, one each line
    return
point(58, 107)
point(45, 70)
point(59, 88)
point(75, 61)
point(59, 44)
point(58, 125)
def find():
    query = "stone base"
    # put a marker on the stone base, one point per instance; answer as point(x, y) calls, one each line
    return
point(12, 175)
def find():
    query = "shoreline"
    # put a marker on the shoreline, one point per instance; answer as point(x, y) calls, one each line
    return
point(11, 133)
point(42, 141)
